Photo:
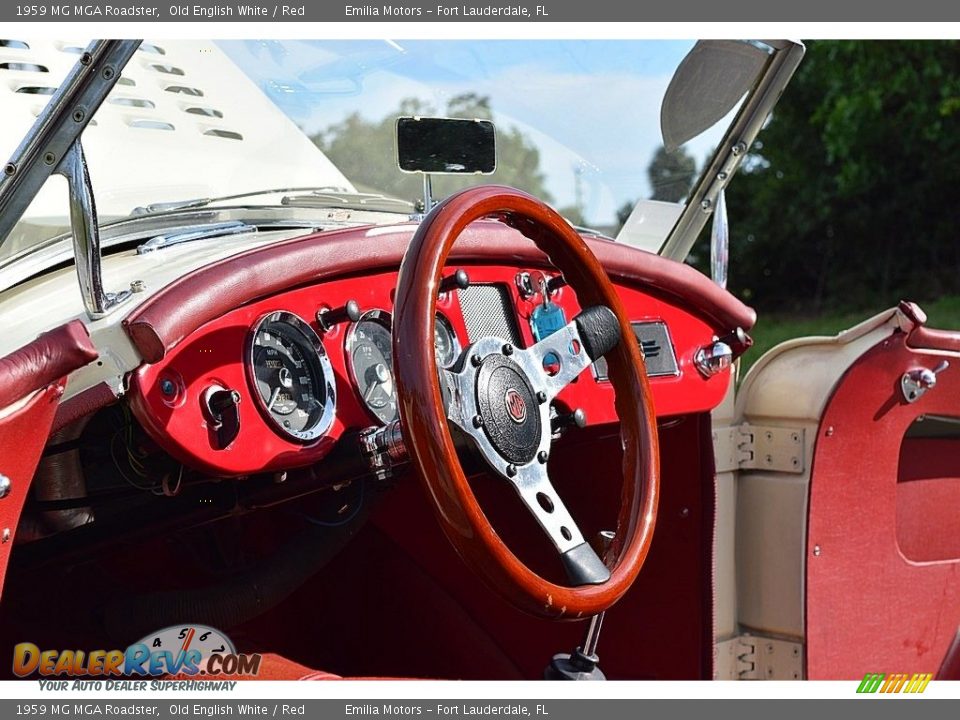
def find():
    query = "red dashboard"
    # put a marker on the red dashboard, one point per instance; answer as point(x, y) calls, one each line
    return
point(170, 395)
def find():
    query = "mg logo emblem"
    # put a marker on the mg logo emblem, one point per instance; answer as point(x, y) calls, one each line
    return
point(516, 407)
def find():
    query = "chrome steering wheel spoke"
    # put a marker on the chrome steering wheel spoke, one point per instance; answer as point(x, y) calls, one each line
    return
point(557, 359)
point(499, 396)
point(582, 564)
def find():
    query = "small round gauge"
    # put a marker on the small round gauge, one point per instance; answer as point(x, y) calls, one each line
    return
point(293, 378)
point(445, 342)
point(182, 638)
point(370, 361)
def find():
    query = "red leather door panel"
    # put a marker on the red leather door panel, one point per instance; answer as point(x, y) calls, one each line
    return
point(868, 607)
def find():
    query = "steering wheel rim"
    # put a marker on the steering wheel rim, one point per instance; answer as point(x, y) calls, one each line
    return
point(424, 417)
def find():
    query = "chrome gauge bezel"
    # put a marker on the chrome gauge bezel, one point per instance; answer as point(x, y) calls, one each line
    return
point(457, 348)
point(384, 318)
point(329, 412)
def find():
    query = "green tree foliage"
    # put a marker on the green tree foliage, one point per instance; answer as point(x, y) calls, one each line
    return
point(366, 152)
point(851, 200)
point(671, 174)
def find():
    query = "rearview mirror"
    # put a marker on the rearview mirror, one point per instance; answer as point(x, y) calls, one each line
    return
point(446, 146)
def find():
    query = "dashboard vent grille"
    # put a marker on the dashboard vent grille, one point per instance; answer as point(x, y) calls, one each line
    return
point(487, 311)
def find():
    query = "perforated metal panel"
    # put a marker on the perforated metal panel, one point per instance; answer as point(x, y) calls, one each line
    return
point(487, 311)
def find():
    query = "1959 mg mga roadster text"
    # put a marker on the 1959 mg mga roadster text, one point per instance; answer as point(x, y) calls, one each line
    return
point(270, 386)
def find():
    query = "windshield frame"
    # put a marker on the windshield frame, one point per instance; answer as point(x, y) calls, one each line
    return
point(737, 141)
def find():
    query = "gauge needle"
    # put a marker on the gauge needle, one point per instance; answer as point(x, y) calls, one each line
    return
point(273, 398)
point(186, 641)
point(380, 375)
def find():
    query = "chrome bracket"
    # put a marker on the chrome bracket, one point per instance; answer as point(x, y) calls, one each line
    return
point(383, 449)
point(86, 235)
point(915, 383)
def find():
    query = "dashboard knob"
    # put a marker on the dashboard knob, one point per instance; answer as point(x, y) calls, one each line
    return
point(459, 280)
point(328, 317)
point(565, 421)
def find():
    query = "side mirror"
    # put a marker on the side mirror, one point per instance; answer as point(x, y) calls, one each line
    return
point(708, 84)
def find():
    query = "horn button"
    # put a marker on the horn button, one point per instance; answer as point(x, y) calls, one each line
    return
point(509, 408)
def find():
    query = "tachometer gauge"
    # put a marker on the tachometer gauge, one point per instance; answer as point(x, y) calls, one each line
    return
point(293, 378)
point(369, 350)
point(445, 342)
point(370, 361)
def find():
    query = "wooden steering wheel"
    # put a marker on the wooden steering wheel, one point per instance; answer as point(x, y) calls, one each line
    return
point(499, 396)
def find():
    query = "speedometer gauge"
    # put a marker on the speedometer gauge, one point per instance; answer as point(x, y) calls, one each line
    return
point(293, 378)
point(370, 360)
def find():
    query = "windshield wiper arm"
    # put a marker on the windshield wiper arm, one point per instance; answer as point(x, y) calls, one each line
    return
point(202, 232)
point(203, 202)
point(349, 201)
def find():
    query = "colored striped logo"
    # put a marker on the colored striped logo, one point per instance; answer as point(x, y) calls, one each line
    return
point(894, 683)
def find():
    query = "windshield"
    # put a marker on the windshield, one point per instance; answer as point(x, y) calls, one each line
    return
point(578, 123)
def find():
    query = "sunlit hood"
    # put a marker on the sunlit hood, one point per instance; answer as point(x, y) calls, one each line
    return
point(179, 109)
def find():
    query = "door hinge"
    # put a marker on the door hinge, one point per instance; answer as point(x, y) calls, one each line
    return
point(759, 447)
point(755, 657)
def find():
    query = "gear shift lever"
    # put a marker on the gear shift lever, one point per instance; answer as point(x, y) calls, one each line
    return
point(583, 663)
